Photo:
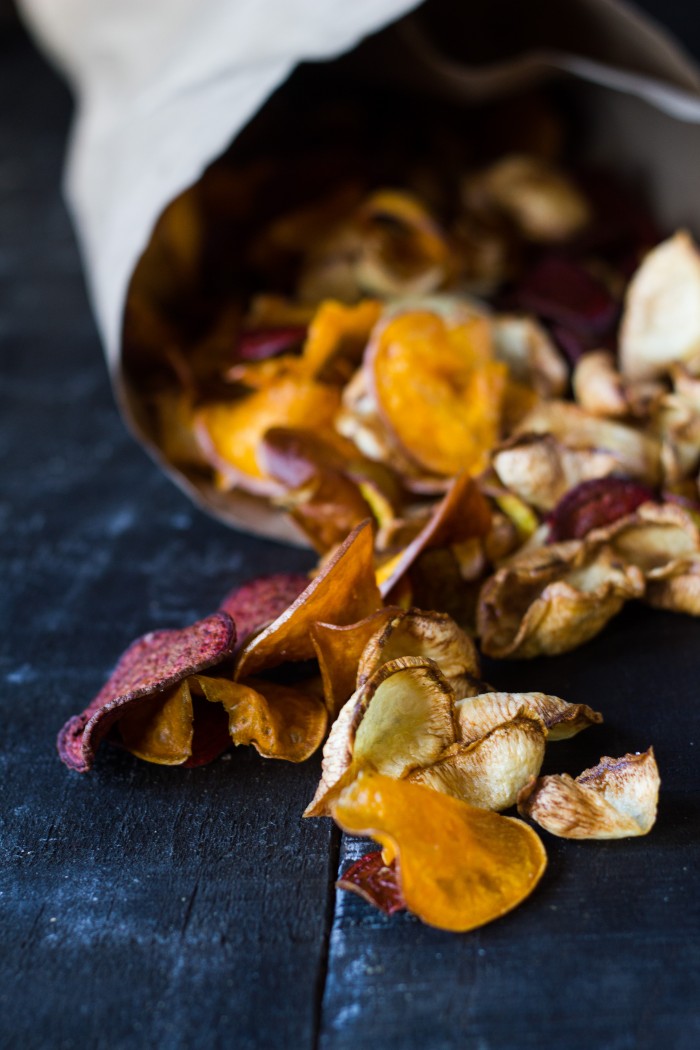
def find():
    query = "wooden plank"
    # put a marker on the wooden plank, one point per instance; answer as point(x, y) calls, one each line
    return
point(141, 906)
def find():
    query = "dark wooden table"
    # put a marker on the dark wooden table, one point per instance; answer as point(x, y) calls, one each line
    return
point(152, 907)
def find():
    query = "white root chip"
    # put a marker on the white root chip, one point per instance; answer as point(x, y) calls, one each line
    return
point(532, 358)
point(400, 720)
point(615, 799)
point(542, 202)
point(490, 772)
point(637, 454)
point(428, 634)
point(540, 469)
point(598, 386)
point(476, 716)
point(553, 599)
point(661, 319)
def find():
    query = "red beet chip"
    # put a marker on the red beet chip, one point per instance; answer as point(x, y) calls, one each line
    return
point(257, 603)
point(150, 665)
point(263, 343)
point(593, 504)
point(376, 881)
point(562, 291)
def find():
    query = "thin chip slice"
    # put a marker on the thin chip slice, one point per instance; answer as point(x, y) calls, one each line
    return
point(160, 729)
point(343, 592)
point(638, 454)
point(595, 504)
point(551, 600)
point(151, 665)
point(400, 720)
point(374, 881)
point(489, 772)
point(459, 867)
point(438, 390)
point(337, 338)
point(478, 715)
point(661, 321)
point(541, 469)
point(230, 432)
point(461, 514)
point(615, 799)
point(258, 602)
point(433, 635)
point(284, 722)
point(339, 649)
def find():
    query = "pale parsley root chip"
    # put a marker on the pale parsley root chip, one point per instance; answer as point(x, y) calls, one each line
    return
point(615, 799)
point(553, 599)
point(399, 720)
point(489, 772)
point(478, 715)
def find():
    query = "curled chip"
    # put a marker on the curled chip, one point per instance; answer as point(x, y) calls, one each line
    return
point(280, 721)
point(550, 600)
point(432, 635)
point(615, 799)
point(478, 715)
point(661, 320)
point(638, 454)
point(230, 432)
point(664, 543)
point(343, 592)
point(598, 386)
point(257, 603)
point(150, 667)
point(531, 356)
point(438, 390)
point(458, 867)
point(337, 338)
point(541, 469)
point(541, 200)
point(374, 881)
point(489, 772)
point(461, 514)
point(338, 651)
point(595, 504)
point(400, 720)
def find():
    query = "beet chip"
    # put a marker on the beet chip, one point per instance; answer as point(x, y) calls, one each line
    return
point(594, 504)
point(150, 665)
point(257, 603)
point(375, 881)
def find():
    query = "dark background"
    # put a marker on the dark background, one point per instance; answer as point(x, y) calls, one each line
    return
point(142, 906)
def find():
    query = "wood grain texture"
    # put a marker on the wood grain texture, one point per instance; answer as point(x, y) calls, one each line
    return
point(142, 906)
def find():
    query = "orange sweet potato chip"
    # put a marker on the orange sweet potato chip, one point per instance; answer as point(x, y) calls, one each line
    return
point(458, 867)
point(280, 721)
point(339, 649)
point(438, 390)
point(230, 432)
point(337, 338)
point(343, 592)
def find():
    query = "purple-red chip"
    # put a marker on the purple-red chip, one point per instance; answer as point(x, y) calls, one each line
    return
point(594, 504)
point(376, 882)
point(149, 666)
point(562, 291)
point(257, 603)
point(263, 343)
